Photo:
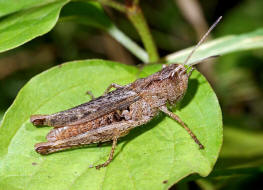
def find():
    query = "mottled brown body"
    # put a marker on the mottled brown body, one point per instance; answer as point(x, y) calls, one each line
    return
point(114, 114)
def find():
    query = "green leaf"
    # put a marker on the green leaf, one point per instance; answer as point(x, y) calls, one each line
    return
point(92, 14)
point(1, 116)
point(221, 46)
point(25, 20)
point(241, 154)
point(88, 13)
point(235, 141)
point(153, 156)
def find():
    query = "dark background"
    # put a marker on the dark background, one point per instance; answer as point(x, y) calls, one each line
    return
point(237, 78)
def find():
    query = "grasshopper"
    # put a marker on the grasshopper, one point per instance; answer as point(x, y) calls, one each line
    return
point(115, 113)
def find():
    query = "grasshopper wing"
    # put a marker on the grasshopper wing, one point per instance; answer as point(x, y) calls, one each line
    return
point(115, 100)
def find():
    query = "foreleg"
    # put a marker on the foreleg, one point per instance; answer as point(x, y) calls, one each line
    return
point(90, 94)
point(175, 117)
point(113, 85)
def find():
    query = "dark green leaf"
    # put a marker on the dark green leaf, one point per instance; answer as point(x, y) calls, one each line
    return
point(21, 21)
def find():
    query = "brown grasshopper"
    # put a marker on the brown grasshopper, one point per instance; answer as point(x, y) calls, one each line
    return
point(114, 114)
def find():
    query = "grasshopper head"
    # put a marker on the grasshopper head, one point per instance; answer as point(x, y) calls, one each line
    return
point(179, 72)
point(175, 77)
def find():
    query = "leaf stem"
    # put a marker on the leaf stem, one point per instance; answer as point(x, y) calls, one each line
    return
point(123, 39)
point(136, 16)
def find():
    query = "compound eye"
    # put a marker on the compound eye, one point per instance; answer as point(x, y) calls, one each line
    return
point(164, 65)
point(180, 69)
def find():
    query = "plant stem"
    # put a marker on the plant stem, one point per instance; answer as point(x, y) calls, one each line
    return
point(136, 2)
point(136, 16)
point(134, 13)
point(118, 6)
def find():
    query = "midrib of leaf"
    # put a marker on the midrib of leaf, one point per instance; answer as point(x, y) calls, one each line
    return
point(104, 176)
point(129, 170)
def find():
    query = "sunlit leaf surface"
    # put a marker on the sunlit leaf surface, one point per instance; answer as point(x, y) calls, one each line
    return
point(153, 156)
point(21, 21)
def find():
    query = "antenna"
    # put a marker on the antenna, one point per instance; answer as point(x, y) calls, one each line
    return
point(202, 40)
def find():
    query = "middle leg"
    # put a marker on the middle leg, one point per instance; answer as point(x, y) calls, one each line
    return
point(114, 143)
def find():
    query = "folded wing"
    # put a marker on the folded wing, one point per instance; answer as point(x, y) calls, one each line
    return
point(115, 100)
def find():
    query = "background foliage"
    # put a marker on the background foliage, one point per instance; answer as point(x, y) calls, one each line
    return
point(236, 78)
